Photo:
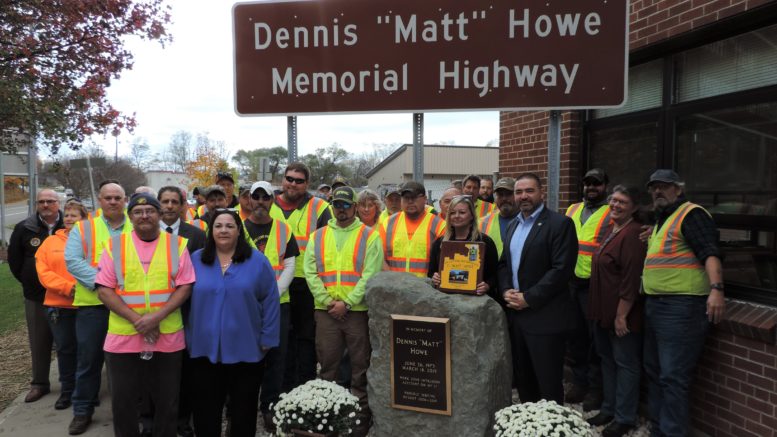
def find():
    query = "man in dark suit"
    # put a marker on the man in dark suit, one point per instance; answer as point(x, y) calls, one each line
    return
point(174, 206)
point(538, 260)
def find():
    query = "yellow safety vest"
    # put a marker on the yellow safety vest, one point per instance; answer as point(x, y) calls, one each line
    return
point(94, 234)
point(198, 223)
point(145, 292)
point(275, 251)
point(483, 208)
point(410, 255)
point(201, 210)
point(671, 267)
point(490, 226)
point(303, 223)
point(340, 270)
point(589, 235)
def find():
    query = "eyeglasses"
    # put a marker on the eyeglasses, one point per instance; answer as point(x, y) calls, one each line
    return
point(226, 209)
point(144, 212)
point(340, 204)
point(298, 181)
point(47, 201)
point(265, 197)
point(462, 198)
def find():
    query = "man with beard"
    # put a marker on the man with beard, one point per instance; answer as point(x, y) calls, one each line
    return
point(447, 197)
point(471, 187)
point(304, 214)
point(26, 238)
point(592, 224)
point(487, 190)
point(143, 278)
point(340, 260)
point(495, 224)
point(537, 262)
point(83, 249)
point(683, 281)
point(275, 239)
point(408, 235)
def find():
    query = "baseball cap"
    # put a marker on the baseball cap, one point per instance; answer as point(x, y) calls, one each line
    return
point(224, 175)
point(505, 184)
point(665, 175)
point(324, 186)
point(339, 181)
point(214, 189)
point(597, 174)
point(264, 186)
point(344, 193)
point(143, 199)
point(414, 187)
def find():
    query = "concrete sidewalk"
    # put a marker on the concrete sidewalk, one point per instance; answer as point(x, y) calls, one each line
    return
point(39, 418)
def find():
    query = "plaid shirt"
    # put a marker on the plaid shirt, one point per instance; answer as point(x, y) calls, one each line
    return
point(698, 228)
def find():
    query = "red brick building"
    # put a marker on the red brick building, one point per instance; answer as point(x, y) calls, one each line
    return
point(703, 101)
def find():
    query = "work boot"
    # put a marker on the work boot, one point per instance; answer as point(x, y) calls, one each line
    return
point(592, 401)
point(63, 402)
point(79, 424)
point(575, 394)
point(269, 425)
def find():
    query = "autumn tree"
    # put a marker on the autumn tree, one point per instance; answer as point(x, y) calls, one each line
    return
point(58, 57)
point(210, 157)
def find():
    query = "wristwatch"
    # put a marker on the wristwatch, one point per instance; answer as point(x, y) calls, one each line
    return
point(717, 286)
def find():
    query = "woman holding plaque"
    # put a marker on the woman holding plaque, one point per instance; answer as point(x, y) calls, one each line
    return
point(462, 226)
point(615, 306)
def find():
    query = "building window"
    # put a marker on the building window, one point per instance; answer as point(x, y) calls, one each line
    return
point(716, 125)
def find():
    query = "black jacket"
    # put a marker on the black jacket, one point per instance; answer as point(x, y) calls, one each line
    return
point(547, 264)
point(27, 236)
point(195, 235)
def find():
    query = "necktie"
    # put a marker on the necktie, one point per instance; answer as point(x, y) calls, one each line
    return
point(169, 229)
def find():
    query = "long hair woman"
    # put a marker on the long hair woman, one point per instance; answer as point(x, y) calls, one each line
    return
point(462, 226)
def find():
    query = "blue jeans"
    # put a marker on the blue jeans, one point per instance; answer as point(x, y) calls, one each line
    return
point(675, 328)
point(63, 328)
point(621, 362)
point(275, 365)
point(91, 327)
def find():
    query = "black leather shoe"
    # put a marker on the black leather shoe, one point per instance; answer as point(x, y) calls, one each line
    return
point(600, 419)
point(35, 394)
point(185, 431)
point(79, 424)
point(63, 402)
point(269, 425)
point(616, 429)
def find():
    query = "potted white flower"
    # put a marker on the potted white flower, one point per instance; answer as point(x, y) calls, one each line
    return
point(317, 408)
point(543, 418)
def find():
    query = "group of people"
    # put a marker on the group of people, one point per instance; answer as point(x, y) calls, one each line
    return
point(236, 301)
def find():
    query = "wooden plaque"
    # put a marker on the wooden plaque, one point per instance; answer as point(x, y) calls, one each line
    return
point(461, 266)
point(421, 364)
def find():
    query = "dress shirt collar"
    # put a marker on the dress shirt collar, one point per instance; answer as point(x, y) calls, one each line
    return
point(175, 226)
point(532, 217)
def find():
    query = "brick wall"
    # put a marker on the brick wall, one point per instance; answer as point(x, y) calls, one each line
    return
point(523, 147)
point(656, 20)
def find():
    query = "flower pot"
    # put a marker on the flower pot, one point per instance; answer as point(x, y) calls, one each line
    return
point(299, 432)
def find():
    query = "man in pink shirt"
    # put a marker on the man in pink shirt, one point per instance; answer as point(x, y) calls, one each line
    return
point(143, 278)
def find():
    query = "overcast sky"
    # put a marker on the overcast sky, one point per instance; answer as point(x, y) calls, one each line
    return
point(188, 86)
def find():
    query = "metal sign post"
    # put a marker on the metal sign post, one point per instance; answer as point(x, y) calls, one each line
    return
point(91, 181)
point(418, 147)
point(32, 180)
point(2, 202)
point(554, 159)
point(291, 132)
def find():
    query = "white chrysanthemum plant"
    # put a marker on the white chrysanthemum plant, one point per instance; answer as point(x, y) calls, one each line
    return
point(319, 407)
point(543, 418)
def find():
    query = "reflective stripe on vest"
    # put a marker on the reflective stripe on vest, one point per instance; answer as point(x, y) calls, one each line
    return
point(311, 213)
point(275, 249)
point(670, 255)
point(342, 278)
point(146, 290)
point(590, 235)
point(483, 208)
point(94, 235)
point(491, 227)
point(406, 262)
point(671, 267)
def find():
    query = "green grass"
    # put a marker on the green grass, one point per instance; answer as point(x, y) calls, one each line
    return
point(11, 301)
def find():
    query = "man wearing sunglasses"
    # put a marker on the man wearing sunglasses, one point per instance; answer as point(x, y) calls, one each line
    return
point(592, 224)
point(275, 239)
point(408, 235)
point(26, 238)
point(304, 213)
point(340, 259)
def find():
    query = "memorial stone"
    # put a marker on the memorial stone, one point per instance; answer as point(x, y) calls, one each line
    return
point(481, 364)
